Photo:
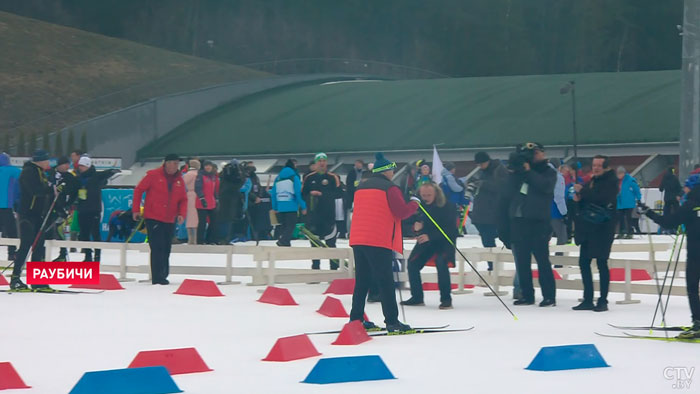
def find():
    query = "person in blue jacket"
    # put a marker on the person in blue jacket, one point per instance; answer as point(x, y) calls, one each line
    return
point(627, 199)
point(286, 202)
point(9, 195)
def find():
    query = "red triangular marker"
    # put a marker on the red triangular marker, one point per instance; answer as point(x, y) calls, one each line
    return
point(107, 282)
point(9, 378)
point(292, 348)
point(176, 361)
point(341, 287)
point(196, 287)
point(277, 296)
point(353, 333)
point(332, 307)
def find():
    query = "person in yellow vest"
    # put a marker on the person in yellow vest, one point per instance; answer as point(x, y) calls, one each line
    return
point(374, 236)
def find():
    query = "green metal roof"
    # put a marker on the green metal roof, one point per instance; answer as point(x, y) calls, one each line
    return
point(461, 113)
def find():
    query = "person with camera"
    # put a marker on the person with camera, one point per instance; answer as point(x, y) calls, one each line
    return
point(486, 186)
point(525, 225)
point(595, 230)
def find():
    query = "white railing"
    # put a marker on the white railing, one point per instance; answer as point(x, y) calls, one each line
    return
point(265, 272)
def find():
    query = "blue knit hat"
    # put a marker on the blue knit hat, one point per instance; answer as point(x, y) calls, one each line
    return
point(692, 181)
point(381, 164)
point(40, 155)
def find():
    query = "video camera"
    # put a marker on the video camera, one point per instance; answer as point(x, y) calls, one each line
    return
point(524, 153)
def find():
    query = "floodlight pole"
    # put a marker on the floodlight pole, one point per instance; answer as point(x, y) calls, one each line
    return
point(571, 87)
point(690, 70)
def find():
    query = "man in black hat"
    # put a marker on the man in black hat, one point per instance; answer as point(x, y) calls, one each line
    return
point(63, 181)
point(485, 188)
point(35, 200)
point(165, 202)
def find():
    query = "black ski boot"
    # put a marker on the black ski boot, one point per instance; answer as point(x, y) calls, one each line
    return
point(584, 306)
point(693, 333)
point(369, 326)
point(16, 284)
point(445, 305)
point(524, 301)
point(413, 302)
point(601, 306)
point(399, 328)
point(548, 302)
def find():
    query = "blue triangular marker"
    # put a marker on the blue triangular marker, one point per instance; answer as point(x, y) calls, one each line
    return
point(348, 369)
point(147, 380)
point(558, 358)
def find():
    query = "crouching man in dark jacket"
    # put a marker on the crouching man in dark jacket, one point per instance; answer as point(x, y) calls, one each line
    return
point(432, 244)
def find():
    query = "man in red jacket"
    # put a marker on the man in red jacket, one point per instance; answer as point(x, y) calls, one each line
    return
point(374, 236)
point(166, 201)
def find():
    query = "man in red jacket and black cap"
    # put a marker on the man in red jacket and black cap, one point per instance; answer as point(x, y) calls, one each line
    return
point(166, 201)
point(374, 236)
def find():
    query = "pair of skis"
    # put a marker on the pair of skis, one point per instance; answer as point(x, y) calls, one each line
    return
point(50, 291)
point(380, 331)
point(678, 329)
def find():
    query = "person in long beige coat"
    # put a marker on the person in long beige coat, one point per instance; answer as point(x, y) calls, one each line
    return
point(192, 220)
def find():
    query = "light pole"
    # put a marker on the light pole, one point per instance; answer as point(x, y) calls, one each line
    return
point(571, 87)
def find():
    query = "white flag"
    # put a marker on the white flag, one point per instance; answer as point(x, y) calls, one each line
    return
point(437, 167)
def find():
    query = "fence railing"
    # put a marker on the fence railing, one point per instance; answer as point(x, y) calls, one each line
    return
point(265, 272)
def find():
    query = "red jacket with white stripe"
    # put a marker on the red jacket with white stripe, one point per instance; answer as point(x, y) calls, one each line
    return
point(166, 197)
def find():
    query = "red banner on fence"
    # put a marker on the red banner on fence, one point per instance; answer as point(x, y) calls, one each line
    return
point(63, 273)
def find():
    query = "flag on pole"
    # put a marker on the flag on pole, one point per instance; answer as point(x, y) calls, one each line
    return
point(437, 167)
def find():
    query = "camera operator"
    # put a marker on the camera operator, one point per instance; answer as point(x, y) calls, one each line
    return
point(525, 224)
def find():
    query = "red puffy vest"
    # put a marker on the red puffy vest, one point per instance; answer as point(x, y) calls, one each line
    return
point(373, 224)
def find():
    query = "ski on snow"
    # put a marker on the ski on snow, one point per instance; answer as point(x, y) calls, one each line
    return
point(378, 330)
point(53, 291)
point(653, 328)
point(418, 331)
point(651, 337)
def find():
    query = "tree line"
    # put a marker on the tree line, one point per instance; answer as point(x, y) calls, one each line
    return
point(453, 37)
point(25, 145)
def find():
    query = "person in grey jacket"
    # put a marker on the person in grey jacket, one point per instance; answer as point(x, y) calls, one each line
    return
point(559, 209)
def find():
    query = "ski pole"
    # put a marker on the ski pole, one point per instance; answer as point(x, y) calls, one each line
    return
point(467, 260)
point(398, 289)
point(659, 289)
point(39, 233)
point(663, 284)
point(675, 270)
point(136, 229)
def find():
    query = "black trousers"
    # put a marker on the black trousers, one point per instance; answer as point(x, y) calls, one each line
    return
point(692, 281)
point(316, 264)
point(488, 233)
point(8, 228)
point(417, 260)
point(205, 233)
point(160, 240)
point(288, 221)
point(670, 207)
point(523, 252)
point(374, 264)
point(584, 262)
point(90, 231)
point(28, 228)
point(624, 217)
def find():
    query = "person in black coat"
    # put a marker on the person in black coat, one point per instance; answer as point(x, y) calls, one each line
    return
point(90, 184)
point(525, 226)
point(486, 186)
point(35, 200)
point(63, 181)
point(671, 187)
point(595, 230)
point(689, 215)
point(432, 244)
point(320, 189)
point(230, 204)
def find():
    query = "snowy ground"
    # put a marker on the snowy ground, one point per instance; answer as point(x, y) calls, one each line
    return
point(53, 339)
